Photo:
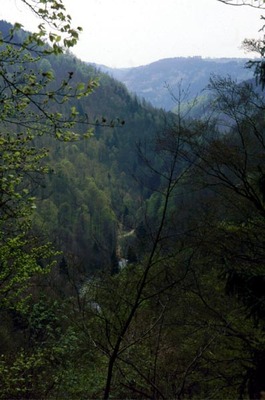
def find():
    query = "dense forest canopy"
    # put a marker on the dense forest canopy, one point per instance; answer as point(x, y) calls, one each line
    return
point(131, 241)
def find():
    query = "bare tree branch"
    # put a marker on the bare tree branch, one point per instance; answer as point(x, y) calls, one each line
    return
point(251, 3)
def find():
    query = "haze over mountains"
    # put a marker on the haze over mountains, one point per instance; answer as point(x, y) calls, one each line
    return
point(154, 82)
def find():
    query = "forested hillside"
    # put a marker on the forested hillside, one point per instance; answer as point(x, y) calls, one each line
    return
point(157, 82)
point(92, 189)
point(131, 245)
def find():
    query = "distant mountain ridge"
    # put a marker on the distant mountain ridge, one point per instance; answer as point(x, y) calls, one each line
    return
point(155, 81)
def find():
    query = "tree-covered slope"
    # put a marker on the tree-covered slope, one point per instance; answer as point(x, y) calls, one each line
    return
point(184, 317)
point(92, 187)
point(155, 81)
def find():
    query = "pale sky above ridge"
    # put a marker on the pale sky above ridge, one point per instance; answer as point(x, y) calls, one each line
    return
point(129, 33)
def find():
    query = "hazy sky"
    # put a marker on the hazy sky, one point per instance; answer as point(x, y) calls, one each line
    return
point(121, 33)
